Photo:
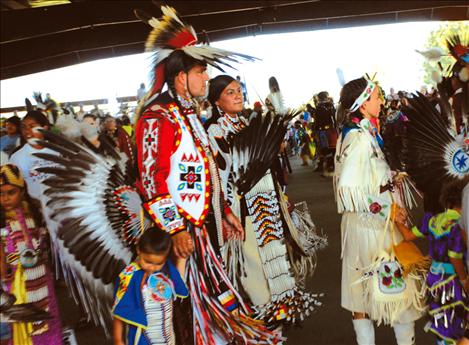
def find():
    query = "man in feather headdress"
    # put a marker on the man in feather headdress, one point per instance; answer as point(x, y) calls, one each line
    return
point(172, 145)
point(178, 177)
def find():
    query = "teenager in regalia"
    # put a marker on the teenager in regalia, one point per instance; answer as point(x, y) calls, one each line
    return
point(363, 176)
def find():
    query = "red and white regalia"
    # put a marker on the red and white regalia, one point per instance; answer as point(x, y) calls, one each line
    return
point(173, 166)
point(179, 182)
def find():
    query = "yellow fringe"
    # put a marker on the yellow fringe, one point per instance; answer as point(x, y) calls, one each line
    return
point(21, 330)
point(413, 267)
point(411, 258)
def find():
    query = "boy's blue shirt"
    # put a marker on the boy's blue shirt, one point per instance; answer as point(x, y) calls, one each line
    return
point(129, 304)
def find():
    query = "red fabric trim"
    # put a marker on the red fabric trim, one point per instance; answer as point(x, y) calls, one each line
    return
point(460, 50)
point(168, 136)
point(183, 38)
point(158, 171)
point(177, 231)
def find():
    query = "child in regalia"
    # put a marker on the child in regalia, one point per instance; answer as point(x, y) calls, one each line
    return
point(447, 279)
point(24, 262)
point(145, 293)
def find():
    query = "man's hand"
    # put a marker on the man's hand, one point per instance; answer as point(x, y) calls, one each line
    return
point(183, 246)
point(234, 227)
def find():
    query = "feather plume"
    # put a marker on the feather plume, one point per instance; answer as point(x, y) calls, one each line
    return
point(170, 33)
point(92, 223)
point(24, 312)
point(255, 148)
point(432, 54)
point(29, 105)
point(458, 46)
point(68, 126)
point(433, 154)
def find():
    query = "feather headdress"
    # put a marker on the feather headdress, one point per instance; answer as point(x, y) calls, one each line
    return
point(458, 46)
point(169, 34)
point(94, 219)
point(256, 147)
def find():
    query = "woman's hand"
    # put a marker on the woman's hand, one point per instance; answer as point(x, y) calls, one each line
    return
point(399, 214)
point(399, 177)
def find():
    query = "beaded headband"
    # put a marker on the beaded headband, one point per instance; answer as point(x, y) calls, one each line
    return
point(363, 96)
point(10, 174)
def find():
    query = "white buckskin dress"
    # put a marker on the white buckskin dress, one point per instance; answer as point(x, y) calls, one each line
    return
point(360, 172)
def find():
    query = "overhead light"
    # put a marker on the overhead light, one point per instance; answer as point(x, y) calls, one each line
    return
point(44, 3)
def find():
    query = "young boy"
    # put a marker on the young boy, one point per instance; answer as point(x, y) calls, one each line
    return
point(447, 278)
point(145, 293)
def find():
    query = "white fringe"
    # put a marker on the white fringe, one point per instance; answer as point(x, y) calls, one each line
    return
point(387, 308)
point(355, 199)
point(298, 306)
point(304, 230)
point(233, 256)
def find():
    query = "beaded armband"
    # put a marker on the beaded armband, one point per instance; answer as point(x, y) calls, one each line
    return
point(165, 214)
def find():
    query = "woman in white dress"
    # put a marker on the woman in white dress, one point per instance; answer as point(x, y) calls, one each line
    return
point(363, 176)
point(267, 272)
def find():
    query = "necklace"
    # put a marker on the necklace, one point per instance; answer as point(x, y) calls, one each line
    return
point(232, 124)
point(185, 103)
point(26, 246)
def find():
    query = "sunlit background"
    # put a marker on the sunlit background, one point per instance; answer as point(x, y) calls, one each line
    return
point(304, 63)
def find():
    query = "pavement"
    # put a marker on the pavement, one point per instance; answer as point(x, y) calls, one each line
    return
point(330, 325)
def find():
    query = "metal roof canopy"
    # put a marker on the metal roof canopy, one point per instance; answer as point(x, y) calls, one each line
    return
point(38, 39)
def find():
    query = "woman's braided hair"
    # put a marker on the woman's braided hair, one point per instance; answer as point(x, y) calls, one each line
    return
point(349, 93)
